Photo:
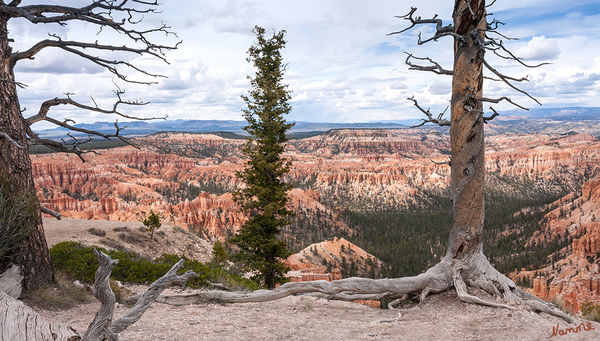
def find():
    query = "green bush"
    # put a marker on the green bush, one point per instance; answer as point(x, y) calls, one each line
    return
point(80, 262)
point(591, 311)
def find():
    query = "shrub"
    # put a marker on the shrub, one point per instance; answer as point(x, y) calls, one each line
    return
point(97, 232)
point(591, 311)
point(121, 229)
point(131, 237)
point(219, 253)
point(152, 223)
point(80, 262)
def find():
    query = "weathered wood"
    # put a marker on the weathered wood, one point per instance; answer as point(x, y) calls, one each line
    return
point(11, 281)
point(466, 131)
point(103, 327)
point(151, 294)
point(19, 322)
point(98, 328)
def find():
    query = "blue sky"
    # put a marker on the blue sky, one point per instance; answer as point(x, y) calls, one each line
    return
point(342, 65)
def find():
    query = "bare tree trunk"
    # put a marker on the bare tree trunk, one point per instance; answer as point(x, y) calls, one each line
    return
point(14, 158)
point(466, 132)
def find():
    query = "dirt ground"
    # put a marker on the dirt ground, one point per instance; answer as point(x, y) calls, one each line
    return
point(168, 239)
point(442, 317)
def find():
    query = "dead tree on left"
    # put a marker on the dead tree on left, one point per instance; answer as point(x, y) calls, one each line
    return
point(126, 18)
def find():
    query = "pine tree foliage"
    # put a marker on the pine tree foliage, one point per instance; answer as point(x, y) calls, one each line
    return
point(152, 223)
point(264, 196)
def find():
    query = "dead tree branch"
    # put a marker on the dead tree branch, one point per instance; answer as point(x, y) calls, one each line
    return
point(430, 119)
point(45, 107)
point(51, 212)
point(18, 84)
point(125, 17)
point(98, 328)
point(491, 117)
point(435, 68)
point(498, 100)
point(440, 31)
point(497, 45)
point(74, 145)
point(122, 17)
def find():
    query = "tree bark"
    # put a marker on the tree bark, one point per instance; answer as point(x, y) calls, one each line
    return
point(466, 131)
point(34, 256)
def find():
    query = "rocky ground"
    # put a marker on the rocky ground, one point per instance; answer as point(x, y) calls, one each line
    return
point(127, 235)
point(442, 317)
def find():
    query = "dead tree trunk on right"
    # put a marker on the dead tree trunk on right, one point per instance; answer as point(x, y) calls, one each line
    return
point(464, 266)
point(466, 133)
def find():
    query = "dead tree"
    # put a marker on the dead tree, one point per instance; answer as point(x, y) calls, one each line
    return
point(124, 17)
point(23, 323)
point(464, 266)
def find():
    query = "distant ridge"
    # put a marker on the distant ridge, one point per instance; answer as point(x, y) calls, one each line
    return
point(536, 120)
point(209, 126)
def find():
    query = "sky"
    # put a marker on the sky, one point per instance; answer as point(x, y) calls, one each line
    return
point(341, 64)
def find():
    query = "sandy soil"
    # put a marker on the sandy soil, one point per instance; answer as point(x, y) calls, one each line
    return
point(173, 241)
point(442, 317)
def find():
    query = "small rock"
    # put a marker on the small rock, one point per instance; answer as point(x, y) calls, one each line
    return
point(78, 284)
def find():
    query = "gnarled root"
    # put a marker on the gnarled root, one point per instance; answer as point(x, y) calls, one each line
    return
point(473, 271)
point(477, 272)
point(436, 278)
point(103, 327)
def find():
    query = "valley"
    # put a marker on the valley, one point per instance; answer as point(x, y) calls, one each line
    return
point(385, 191)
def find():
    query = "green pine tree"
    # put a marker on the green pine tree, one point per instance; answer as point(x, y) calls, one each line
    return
point(152, 223)
point(219, 253)
point(264, 197)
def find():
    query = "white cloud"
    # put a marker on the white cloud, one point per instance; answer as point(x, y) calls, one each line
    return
point(342, 66)
point(540, 48)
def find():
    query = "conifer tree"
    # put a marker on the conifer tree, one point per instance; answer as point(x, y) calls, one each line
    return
point(264, 196)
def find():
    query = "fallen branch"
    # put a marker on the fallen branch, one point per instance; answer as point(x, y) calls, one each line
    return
point(21, 323)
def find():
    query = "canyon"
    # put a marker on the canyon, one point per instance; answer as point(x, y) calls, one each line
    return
point(188, 179)
point(572, 276)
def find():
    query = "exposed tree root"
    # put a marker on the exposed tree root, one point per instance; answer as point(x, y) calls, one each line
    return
point(472, 271)
point(103, 327)
point(393, 304)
